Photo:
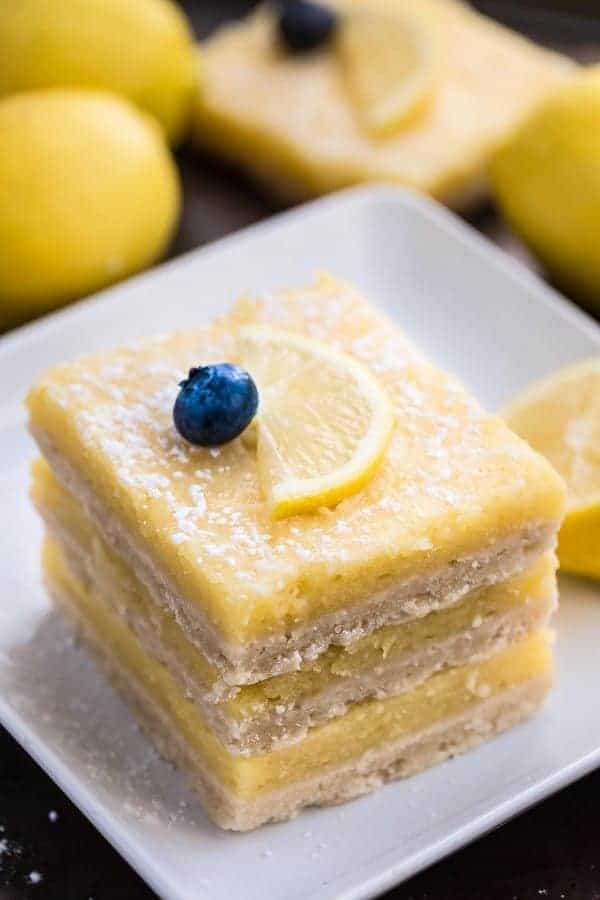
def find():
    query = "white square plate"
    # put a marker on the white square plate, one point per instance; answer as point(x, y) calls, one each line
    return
point(474, 311)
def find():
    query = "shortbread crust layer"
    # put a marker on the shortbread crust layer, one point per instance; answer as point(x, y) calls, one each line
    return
point(354, 753)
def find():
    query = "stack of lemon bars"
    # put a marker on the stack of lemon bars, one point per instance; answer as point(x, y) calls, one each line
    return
point(299, 659)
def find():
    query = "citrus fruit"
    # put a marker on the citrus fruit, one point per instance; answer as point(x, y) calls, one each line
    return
point(88, 195)
point(323, 424)
point(547, 183)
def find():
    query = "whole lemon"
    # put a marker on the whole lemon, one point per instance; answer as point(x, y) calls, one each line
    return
point(88, 194)
point(142, 49)
point(547, 182)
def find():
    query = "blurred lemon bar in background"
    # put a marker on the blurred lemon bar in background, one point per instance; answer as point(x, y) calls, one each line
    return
point(418, 94)
point(299, 659)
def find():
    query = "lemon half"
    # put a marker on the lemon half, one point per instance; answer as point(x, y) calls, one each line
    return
point(323, 424)
point(560, 417)
point(141, 49)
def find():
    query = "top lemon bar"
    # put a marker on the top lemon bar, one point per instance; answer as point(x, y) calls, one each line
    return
point(290, 118)
point(457, 502)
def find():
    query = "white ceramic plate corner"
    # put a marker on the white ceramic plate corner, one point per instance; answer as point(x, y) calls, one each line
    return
point(474, 311)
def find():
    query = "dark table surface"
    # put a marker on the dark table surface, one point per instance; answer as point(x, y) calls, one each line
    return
point(49, 850)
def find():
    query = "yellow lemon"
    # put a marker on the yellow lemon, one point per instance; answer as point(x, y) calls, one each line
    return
point(88, 194)
point(323, 424)
point(560, 417)
point(547, 182)
point(141, 49)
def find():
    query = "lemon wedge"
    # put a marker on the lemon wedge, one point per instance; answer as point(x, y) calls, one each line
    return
point(323, 424)
point(389, 61)
point(560, 417)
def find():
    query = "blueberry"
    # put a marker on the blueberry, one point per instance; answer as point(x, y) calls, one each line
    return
point(303, 25)
point(215, 404)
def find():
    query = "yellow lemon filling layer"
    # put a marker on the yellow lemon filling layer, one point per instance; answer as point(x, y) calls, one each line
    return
point(116, 586)
point(367, 725)
point(454, 481)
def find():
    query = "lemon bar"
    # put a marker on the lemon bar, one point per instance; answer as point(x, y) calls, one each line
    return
point(256, 718)
point(290, 121)
point(458, 502)
point(373, 742)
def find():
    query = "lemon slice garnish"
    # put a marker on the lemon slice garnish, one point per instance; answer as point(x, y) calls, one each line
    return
point(323, 424)
point(389, 59)
point(560, 417)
